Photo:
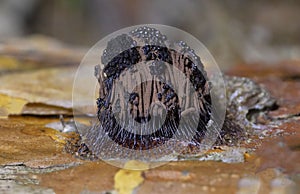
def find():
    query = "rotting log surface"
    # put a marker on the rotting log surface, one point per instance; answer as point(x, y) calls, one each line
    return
point(32, 156)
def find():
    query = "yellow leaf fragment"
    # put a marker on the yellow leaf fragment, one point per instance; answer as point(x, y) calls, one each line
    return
point(10, 105)
point(8, 63)
point(127, 180)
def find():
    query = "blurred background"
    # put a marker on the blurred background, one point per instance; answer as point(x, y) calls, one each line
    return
point(235, 31)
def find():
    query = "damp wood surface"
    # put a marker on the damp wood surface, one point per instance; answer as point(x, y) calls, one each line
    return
point(33, 157)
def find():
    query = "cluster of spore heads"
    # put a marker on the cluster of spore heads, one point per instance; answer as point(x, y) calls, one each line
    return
point(122, 53)
point(149, 36)
point(117, 46)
